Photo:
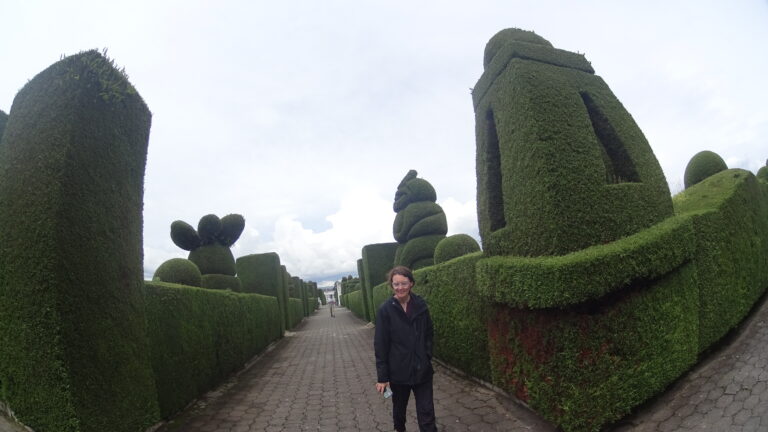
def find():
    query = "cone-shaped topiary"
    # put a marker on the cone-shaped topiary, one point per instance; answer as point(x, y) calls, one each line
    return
point(179, 271)
point(209, 246)
point(420, 222)
point(455, 246)
point(702, 165)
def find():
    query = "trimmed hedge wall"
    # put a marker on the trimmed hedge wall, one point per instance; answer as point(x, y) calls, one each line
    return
point(365, 290)
point(729, 212)
point(262, 274)
point(377, 260)
point(73, 347)
point(577, 170)
point(198, 337)
point(354, 302)
point(295, 312)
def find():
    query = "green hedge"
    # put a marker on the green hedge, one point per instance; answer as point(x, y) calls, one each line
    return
point(459, 314)
point(455, 246)
point(3, 121)
point(577, 170)
point(198, 337)
point(354, 302)
point(365, 291)
point(377, 260)
point(730, 221)
point(179, 271)
point(73, 348)
point(295, 312)
point(221, 282)
point(262, 274)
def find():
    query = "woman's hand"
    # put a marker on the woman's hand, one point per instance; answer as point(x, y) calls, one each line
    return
point(380, 387)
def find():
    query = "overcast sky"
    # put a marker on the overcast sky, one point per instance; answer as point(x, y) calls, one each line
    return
point(303, 116)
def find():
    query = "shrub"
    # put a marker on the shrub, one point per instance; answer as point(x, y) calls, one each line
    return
point(209, 245)
point(702, 165)
point(762, 173)
point(455, 246)
point(221, 282)
point(561, 164)
point(73, 347)
point(178, 271)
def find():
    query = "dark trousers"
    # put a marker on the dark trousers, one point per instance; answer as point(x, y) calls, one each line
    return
point(425, 407)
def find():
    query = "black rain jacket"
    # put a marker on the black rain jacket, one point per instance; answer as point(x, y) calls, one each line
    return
point(403, 345)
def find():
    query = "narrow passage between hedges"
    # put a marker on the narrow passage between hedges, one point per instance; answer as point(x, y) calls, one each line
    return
point(321, 378)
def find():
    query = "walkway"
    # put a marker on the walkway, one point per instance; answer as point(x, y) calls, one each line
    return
point(321, 378)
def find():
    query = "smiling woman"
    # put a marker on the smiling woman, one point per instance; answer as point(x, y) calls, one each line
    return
point(403, 346)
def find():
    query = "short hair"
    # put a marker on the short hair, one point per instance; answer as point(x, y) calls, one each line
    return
point(402, 271)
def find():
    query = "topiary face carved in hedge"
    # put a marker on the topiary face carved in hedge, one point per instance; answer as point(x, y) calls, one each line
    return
point(209, 246)
point(420, 222)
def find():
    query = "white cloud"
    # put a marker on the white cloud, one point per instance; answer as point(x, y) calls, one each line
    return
point(462, 217)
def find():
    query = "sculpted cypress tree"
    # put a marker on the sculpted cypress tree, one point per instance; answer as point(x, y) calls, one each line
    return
point(561, 165)
point(420, 222)
point(3, 121)
point(702, 165)
point(762, 173)
point(73, 336)
point(208, 248)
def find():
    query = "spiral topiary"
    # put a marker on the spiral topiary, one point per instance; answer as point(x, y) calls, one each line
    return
point(702, 165)
point(420, 222)
point(209, 245)
point(180, 271)
point(455, 246)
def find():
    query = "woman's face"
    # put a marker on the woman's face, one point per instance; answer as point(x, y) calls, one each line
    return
point(401, 286)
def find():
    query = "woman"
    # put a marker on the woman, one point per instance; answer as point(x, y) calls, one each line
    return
point(403, 345)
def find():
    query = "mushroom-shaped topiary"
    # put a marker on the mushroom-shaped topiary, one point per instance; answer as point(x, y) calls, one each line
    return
point(420, 222)
point(702, 165)
point(455, 246)
point(179, 271)
point(209, 245)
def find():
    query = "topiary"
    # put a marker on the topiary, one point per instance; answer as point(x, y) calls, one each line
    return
point(702, 165)
point(455, 246)
point(3, 121)
point(762, 173)
point(420, 222)
point(209, 245)
point(178, 270)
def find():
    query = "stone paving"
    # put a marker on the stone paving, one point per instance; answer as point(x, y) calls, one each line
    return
point(728, 391)
point(322, 378)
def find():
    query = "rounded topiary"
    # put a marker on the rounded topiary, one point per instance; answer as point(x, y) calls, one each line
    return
point(209, 246)
point(762, 173)
point(702, 165)
point(455, 246)
point(178, 270)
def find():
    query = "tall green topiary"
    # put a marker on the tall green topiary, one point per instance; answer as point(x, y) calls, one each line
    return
point(73, 336)
point(561, 165)
point(455, 246)
point(420, 222)
point(208, 247)
point(263, 274)
point(702, 165)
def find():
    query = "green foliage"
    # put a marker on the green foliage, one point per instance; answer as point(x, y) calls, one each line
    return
point(214, 258)
point(354, 302)
point(263, 274)
point(419, 221)
point(73, 348)
point(504, 37)
point(455, 246)
point(199, 337)
point(295, 312)
point(702, 165)
point(3, 121)
point(561, 164)
point(377, 260)
point(221, 282)
point(178, 271)
point(184, 236)
point(209, 245)
point(762, 173)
